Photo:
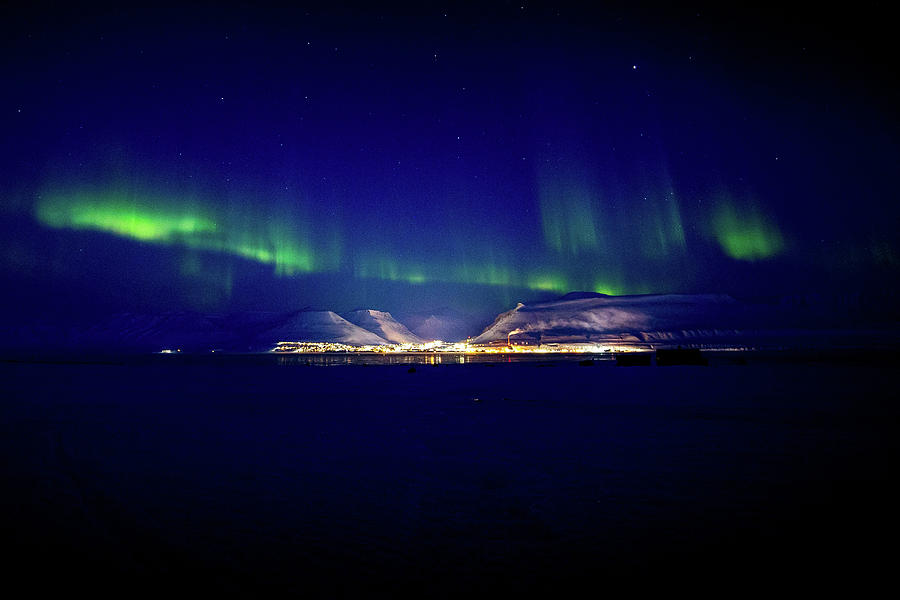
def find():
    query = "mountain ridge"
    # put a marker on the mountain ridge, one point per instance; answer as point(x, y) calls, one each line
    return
point(383, 324)
point(576, 317)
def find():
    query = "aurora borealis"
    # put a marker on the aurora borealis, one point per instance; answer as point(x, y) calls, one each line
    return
point(444, 299)
point(405, 159)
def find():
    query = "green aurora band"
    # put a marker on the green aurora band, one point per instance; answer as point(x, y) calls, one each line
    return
point(744, 232)
point(186, 224)
point(571, 226)
point(569, 218)
point(159, 221)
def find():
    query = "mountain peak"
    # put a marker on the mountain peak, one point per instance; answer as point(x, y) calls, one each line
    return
point(383, 324)
point(323, 326)
point(589, 315)
point(582, 295)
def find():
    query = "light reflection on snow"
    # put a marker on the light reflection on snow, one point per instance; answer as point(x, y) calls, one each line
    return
point(438, 346)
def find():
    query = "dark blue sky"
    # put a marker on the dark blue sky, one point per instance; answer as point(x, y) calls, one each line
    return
point(221, 158)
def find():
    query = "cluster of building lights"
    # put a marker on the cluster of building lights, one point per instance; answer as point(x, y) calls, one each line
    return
point(447, 347)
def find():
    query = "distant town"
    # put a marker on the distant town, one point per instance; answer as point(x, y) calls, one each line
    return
point(498, 347)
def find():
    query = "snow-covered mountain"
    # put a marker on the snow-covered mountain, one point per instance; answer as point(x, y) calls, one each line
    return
point(321, 326)
point(443, 324)
point(189, 331)
point(597, 317)
point(671, 319)
point(383, 324)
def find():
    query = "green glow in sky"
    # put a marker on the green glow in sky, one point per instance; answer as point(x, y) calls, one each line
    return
point(568, 217)
point(162, 221)
point(292, 245)
point(389, 269)
point(662, 230)
point(548, 282)
point(484, 275)
point(609, 288)
point(745, 233)
point(145, 221)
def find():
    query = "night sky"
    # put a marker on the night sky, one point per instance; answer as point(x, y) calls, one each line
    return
point(242, 158)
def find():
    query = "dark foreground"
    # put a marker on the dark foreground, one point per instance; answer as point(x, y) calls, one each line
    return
point(254, 476)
